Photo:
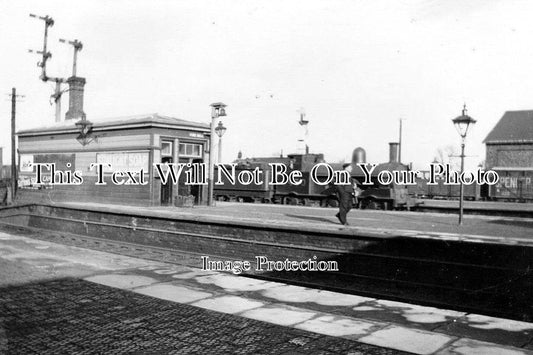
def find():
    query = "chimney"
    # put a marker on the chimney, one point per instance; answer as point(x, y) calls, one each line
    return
point(393, 152)
point(75, 102)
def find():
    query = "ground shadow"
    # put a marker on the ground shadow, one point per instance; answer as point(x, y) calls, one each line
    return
point(514, 222)
point(312, 218)
point(490, 279)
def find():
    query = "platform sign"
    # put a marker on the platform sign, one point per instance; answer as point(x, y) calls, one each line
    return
point(27, 178)
point(124, 161)
point(62, 162)
point(26, 162)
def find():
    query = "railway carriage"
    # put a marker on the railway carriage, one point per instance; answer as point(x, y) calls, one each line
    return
point(514, 185)
point(442, 191)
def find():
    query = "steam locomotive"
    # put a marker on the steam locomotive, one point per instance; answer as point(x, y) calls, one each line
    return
point(309, 193)
point(515, 185)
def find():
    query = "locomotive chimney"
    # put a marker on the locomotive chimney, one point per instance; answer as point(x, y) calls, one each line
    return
point(75, 102)
point(359, 156)
point(393, 152)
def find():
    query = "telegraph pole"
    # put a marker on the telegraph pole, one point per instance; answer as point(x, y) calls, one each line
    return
point(14, 177)
point(400, 143)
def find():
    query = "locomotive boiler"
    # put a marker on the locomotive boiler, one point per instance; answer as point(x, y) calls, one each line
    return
point(306, 193)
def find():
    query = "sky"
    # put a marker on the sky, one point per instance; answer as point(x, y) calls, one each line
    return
point(355, 67)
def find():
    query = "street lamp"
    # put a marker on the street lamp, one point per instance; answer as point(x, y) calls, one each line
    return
point(217, 110)
point(462, 123)
point(220, 130)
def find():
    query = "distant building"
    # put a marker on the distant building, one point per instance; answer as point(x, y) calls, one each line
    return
point(509, 149)
point(510, 143)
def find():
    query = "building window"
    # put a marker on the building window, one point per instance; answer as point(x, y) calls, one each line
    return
point(166, 148)
point(190, 150)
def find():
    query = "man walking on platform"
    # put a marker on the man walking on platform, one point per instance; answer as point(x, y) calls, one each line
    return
point(344, 194)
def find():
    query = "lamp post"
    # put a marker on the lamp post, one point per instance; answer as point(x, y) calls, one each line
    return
point(462, 123)
point(217, 110)
point(220, 130)
point(85, 127)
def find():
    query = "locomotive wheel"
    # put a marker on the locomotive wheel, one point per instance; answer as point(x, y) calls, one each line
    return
point(292, 201)
point(372, 205)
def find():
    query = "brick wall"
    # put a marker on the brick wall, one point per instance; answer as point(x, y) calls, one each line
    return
point(138, 195)
point(509, 155)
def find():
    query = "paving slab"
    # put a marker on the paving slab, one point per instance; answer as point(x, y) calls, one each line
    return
point(170, 271)
point(411, 340)
point(485, 322)
point(173, 293)
point(189, 274)
point(232, 283)
point(408, 314)
point(228, 304)
point(497, 330)
point(122, 281)
point(279, 314)
point(296, 294)
point(475, 347)
point(339, 326)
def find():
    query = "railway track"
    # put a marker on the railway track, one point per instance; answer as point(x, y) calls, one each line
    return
point(489, 279)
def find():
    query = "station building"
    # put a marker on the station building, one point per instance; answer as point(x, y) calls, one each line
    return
point(510, 143)
point(131, 144)
point(128, 144)
point(509, 151)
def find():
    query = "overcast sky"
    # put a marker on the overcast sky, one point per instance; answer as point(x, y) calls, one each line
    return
point(356, 67)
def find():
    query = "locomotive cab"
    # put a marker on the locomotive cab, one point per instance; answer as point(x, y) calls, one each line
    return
point(390, 196)
point(385, 197)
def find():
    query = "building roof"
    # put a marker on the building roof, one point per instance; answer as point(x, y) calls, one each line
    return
point(147, 120)
point(513, 127)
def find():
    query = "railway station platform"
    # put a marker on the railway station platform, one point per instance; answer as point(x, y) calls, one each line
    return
point(371, 222)
point(482, 267)
point(58, 298)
